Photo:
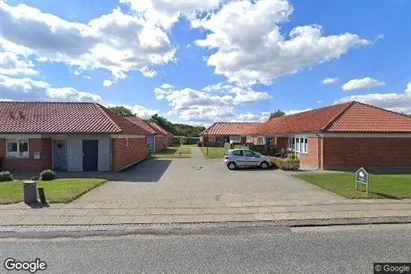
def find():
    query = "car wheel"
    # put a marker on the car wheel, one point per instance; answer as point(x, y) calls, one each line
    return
point(231, 166)
point(264, 165)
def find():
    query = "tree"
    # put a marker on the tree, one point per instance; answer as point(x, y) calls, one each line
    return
point(162, 122)
point(122, 111)
point(277, 113)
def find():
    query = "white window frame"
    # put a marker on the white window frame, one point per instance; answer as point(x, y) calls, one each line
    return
point(211, 139)
point(17, 154)
point(249, 139)
point(299, 144)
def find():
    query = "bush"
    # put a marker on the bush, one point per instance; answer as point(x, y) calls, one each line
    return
point(183, 140)
point(228, 145)
point(286, 164)
point(199, 144)
point(6, 176)
point(47, 175)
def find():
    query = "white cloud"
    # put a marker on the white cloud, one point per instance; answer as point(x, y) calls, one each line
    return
point(12, 64)
point(212, 103)
point(116, 42)
point(27, 89)
point(366, 82)
point(295, 111)
point(107, 83)
point(166, 86)
point(140, 111)
point(251, 49)
point(399, 102)
point(165, 13)
point(242, 95)
point(329, 81)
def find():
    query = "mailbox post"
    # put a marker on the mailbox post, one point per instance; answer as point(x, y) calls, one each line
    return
point(361, 177)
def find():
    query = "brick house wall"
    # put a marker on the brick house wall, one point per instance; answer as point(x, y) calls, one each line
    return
point(159, 143)
point(29, 164)
point(124, 155)
point(366, 152)
point(312, 157)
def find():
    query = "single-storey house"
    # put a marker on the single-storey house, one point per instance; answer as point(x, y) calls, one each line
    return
point(163, 138)
point(227, 132)
point(151, 133)
point(67, 136)
point(343, 136)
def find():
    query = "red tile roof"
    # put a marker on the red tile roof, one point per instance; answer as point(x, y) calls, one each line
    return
point(368, 119)
point(140, 122)
point(58, 117)
point(347, 117)
point(159, 130)
point(229, 128)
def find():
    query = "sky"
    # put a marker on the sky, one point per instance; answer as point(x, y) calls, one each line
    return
point(203, 61)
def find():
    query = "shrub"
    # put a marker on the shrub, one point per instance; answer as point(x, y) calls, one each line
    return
point(148, 150)
point(228, 145)
point(6, 176)
point(47, 175)
point(183, 140)
point(199, 144)
point(286, 164)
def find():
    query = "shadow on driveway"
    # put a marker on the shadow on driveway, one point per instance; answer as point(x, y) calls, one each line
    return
point(148, 171)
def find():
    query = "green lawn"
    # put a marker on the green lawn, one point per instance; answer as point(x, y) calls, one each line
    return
point(214, 152)
point(392, 186)
point(173, 152)
point(57, 191)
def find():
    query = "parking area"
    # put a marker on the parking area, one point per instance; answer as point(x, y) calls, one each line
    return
point(205, 182)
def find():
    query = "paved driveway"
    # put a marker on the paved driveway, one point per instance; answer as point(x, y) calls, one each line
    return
point(205, 182)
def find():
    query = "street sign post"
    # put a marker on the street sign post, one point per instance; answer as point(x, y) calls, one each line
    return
point(361, 177)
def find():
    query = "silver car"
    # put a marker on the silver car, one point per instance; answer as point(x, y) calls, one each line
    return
point(234, 158)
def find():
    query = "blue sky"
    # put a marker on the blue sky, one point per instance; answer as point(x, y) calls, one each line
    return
point(202, 61)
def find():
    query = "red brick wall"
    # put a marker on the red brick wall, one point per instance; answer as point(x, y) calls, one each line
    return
point(311, 158)
point(366, 152)
point(159, 142)
point(30, 164)
point(243, 140)
point(124, 156)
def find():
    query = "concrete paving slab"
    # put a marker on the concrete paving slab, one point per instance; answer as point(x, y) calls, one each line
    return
point(101, 220)
point(79, 220)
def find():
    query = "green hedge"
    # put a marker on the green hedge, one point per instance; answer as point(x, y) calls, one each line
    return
point(286, 164)
point(6, 176)
point(228, 146)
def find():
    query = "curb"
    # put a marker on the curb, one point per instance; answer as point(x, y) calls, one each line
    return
point(181, 229)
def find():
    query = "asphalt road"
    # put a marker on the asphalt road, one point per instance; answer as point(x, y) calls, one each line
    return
point(272, 250)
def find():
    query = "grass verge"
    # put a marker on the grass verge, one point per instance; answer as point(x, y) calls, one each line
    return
point(390, 186)
point(214, 152)
point(57, 191)
point(173, 152)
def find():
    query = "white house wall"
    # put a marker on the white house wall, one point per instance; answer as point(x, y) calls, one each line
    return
point(75, 152)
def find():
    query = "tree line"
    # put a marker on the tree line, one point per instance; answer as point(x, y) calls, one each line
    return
point(175, 128)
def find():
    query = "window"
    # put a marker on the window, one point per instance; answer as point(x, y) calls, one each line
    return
point(235, 139)
point(248, 153)
point(18, 148)
point(238, 153)
point(299, 144)
point(249, 139)
point(211, 139)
